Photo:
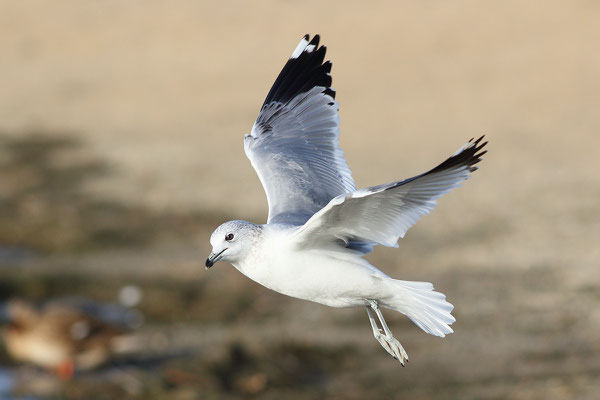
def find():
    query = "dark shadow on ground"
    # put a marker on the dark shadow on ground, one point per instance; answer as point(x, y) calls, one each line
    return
point(44, 204)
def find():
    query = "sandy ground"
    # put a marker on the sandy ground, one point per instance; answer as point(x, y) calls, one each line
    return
point(157, 96)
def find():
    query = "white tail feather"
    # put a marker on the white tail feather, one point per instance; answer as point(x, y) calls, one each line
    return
point(427, 308)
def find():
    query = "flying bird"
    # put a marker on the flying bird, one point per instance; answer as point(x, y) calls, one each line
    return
point(319, 225)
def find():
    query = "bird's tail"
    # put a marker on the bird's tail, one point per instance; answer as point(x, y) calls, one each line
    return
point(419, 302)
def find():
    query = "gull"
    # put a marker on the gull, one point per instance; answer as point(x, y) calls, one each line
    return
point(319, 225)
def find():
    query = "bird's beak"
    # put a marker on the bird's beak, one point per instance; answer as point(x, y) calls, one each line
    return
point(213, 258)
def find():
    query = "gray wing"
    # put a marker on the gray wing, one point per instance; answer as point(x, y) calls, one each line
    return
point(382, 214)
point(294, 145)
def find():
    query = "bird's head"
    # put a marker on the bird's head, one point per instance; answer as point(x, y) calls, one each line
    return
point(232, 241)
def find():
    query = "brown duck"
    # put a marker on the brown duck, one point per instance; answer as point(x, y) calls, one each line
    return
point(61, 336)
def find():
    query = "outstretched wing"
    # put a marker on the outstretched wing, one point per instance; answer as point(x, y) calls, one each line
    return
point(293, 145)
point(382, 214)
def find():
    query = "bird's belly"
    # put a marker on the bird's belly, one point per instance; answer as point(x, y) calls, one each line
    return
point(316, 277)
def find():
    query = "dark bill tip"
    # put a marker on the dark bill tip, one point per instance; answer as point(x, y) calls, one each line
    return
point(209, 263)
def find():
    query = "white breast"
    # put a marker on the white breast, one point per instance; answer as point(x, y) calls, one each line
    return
point(335, 279)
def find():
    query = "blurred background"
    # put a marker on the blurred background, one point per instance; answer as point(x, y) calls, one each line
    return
point(121, 128)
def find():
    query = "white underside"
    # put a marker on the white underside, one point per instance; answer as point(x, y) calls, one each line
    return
point(339, 277)
point(320, 276)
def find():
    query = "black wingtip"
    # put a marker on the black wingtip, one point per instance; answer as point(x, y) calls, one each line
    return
point(315, 40)
point(302, 72)
point(469, 156)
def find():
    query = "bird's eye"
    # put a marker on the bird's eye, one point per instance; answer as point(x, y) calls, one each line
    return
point(229, 237)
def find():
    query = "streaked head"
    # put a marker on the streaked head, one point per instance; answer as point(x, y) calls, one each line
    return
point(232, 241)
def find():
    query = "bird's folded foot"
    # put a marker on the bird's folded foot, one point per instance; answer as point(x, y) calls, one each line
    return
point(384, 336)
point(393, 347)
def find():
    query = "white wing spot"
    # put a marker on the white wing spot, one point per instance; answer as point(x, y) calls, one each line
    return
point(301, 46)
